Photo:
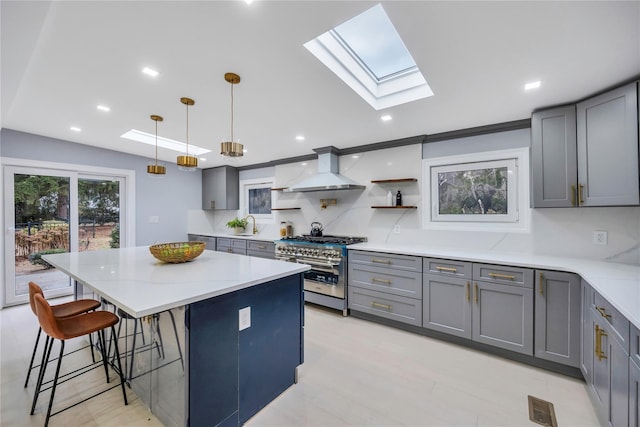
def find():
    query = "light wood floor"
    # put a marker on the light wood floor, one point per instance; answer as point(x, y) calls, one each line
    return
point(356, 373)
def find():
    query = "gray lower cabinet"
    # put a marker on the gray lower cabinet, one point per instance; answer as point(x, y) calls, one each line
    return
point(587, 344)
point(634, 394)
point(607, 146)
point(232, 246)
point(386, 285)
point(446, 305)
point(261, 249)
point(208, 240)
point(554, 167)
point(557, 317)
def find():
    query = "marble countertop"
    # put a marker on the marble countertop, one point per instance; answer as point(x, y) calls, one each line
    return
point(141, 285)
point(247, 236)
point(617, 283)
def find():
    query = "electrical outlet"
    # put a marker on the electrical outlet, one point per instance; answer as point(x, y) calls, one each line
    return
point(244, 318)
point(599, 237)
point(396, 229)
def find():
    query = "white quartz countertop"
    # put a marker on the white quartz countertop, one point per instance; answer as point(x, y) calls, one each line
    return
point(617, 283)
point(135, 281)
point(245, 236)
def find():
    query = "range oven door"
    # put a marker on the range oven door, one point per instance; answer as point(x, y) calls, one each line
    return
point(325, 277)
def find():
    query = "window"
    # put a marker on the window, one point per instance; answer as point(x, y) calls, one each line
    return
point(482, 191)
point(256, 199)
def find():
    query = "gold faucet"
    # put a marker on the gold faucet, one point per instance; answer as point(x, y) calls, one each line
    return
point(255, 229)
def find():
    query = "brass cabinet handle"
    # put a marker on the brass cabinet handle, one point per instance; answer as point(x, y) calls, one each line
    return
point(540, 283)
point(468, 291)
point(501, 276)
point(378, 305)
point(261, 247)
point(230, 250)
point(381, 261)
point(603, 312)
point(475, 293)
point(450, 269)
point(386, 281)
point(580, 199)
point(598, 344)
point(573, 195)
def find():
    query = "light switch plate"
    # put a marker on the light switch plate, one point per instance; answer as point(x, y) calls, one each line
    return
point(599, 237)
point(244, 318)
point(396, 229)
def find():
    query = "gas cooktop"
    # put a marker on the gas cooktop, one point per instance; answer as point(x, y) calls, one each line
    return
point(336, 240)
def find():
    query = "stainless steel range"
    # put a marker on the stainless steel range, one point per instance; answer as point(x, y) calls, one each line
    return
point(326, 282)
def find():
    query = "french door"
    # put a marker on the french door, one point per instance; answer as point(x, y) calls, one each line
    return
point(53, 211)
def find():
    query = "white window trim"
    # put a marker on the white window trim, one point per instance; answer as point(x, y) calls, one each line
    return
point(522, 224)
point(248, 184)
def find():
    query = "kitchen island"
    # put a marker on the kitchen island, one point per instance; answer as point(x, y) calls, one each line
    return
point(222, 335)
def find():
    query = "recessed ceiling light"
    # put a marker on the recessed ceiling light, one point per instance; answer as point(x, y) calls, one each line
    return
point(532, 85)
point(248, 1)
point(103, 108)
point(355, 156)
point(385, 118)
point(203, 159)
point(150, 72)
point(147, 138)
point(75, 128)
point(244, 150)
point(300, 137)
point(304, 163)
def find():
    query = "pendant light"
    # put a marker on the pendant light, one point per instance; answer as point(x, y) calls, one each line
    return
point(186, 162)
point(230, 148)
point(155, 168)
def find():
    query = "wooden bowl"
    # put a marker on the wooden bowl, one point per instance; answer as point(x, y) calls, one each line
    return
point(177, 252)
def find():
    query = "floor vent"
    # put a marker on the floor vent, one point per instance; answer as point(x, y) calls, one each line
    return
point(541, 412)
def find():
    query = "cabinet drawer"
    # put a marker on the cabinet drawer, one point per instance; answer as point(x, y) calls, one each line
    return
point(261, 254)
point(389, 280)
point(504, 275)
point(261, 246)
point(238, 244)
point(634, 345)
point(223, 241)
point(231, 250)
point(447, 267)
point(619, 324)
point(400, 262)
point(394, 307)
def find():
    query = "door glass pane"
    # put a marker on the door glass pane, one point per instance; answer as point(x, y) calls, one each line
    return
point(42, 213)
point(99, 214)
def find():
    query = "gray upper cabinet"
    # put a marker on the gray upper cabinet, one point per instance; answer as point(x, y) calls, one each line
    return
point(607, 135)
point(557, 317)
point(220, 188)
point(554, 167)
point(634, 394)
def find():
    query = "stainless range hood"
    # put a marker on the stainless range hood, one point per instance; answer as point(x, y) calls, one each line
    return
point(328, 176)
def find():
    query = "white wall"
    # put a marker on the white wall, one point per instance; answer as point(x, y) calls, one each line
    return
point(563, 232)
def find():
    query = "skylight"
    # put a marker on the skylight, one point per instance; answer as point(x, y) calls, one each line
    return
point(147, 138)
point(368, 54)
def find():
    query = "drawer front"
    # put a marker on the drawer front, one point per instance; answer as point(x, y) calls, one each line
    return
point(261, 254)
point(238, 244)
point(223, 242)
point(261, 246)
point(619, 324)
point(634, 345)
point(400, 262)
point(231, 250)
point(447, 267)
point(504, 275)
point(394, 307)
point(397, 282)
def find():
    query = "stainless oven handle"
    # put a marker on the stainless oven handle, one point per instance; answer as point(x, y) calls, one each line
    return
point(328, 268)
point(316, 263)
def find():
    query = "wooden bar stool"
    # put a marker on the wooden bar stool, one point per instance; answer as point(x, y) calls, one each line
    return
point(66, 328)
point(68, 309)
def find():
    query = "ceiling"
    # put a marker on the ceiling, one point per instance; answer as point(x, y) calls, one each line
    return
point(61, 59)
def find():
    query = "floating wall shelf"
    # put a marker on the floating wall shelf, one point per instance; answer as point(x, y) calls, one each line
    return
point(284, 209)
point(394, 207)
point(391, 181)
point(278, 188)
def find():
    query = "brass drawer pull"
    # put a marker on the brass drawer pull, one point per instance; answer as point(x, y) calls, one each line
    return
point(540, 283)
point(468, 291)
point(385, 281)
point(449, 269)
point(603, 312)
point(261, 247)
point(381, 261)
point(475, 293)
point(378, 305)
point(230, 250)
point(501, 276)
point(598, 344)
point(596, 349)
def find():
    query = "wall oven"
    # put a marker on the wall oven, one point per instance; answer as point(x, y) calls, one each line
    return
point(325, 283)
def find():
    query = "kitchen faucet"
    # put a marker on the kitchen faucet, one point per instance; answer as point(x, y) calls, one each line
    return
point(255, 229)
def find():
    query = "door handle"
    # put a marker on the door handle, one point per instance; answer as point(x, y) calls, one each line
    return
point(580, 199)
point(475, 293)
point(573, 195)
point(468, 291)
point(541, 277)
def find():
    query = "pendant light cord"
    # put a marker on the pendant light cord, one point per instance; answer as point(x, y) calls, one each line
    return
point(187, 105)
point(156, 142)
point(232, 112)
